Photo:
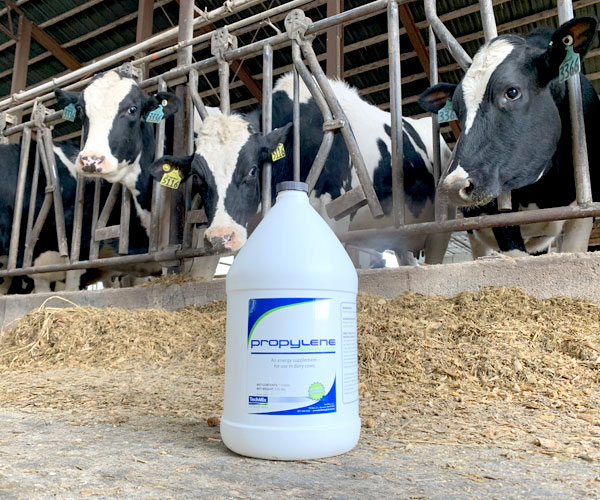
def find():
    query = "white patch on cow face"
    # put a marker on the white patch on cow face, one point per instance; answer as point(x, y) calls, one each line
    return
point(458, 174)
point(68, 163)
point(102, 98)
point(475, 81)
point(220, 140)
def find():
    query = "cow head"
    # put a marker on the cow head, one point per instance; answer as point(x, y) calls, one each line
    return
point(226, 172)
point(114, 111)
point(506, 104)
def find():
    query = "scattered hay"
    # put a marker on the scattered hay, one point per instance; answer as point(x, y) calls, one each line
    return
point(487, 366)
point(110, 338)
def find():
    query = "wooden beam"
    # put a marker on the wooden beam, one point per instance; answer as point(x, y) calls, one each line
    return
point(143, 29)
point(19, 79)
point(48, 42)
point(334, 67)
point(415, 37)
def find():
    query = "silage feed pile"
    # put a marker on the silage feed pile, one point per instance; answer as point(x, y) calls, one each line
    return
point(494, 365)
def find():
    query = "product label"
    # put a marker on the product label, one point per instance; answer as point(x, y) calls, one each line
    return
point(293, 348)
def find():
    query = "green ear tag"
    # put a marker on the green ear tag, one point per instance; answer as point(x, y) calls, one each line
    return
point(570, 66)
point(156, 115)
point(447, 114)
point(69, 112)
point(279, 153)
point(170, 179)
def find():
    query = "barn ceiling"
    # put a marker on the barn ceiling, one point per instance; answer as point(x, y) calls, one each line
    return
point(89, 30)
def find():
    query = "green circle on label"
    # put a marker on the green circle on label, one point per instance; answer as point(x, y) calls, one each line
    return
point(316, 391)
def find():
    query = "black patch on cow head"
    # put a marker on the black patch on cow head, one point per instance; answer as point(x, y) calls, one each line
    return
point(418, 181)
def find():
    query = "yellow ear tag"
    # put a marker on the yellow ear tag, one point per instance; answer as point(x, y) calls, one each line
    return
point(170, 178)
point(279, 153)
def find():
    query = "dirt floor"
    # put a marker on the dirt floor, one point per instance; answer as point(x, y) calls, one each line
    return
point(487, 395)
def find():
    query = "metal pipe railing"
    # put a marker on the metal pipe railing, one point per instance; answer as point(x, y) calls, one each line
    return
point(462, 58)
point(230, 7)
point(583, 186)
point(397, 151)
point(19, 200)
point(267, 125)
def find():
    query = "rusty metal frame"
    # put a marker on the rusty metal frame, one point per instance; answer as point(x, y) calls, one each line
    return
point(312, 76)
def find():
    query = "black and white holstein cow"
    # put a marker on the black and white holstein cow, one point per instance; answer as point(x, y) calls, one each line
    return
point(46, 248)
point(517, 136)
point(119, 146)
point(230, 151)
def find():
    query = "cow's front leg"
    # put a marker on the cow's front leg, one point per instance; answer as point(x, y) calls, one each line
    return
point(576, 235)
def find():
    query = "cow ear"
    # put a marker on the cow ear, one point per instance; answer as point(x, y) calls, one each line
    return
point(66, 97)
point(167, 166)
point(271, 141)
point(577, 33)
point(170, 104)
point(435, 98)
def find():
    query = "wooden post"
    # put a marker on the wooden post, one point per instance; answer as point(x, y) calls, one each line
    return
point(143, 31)
point(19, 79)
point(335, 42)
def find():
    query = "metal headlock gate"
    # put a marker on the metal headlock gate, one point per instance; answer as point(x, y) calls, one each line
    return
point(300, 32)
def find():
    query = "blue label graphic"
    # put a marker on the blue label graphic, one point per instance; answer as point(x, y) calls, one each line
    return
point(324, 405)
point(259, 308)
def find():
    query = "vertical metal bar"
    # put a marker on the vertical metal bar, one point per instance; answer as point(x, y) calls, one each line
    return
point(59, 213)
point(19, 196)
point(396, 114)
point(488, 19)
point(224, 86)
point(267, 124)
point(196, 99)
point(296, 115)
point(36, 230)
point(78, 215)
point(441, 206)
point(158, 199)
point(124, 223)
point(32, 199)
point(95, 245)
point(583, 186)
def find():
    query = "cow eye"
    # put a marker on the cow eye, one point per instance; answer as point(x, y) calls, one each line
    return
point(252, 172)
point(512, 94)
point(132, 110)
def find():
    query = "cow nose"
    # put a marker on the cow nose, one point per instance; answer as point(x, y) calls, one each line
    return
point(464, 193)
point(91, 163)
point(222, 241)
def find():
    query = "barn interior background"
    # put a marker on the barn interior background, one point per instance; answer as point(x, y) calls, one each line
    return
point(45, 39)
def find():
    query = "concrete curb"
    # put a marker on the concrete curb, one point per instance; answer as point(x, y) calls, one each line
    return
point(571, 275)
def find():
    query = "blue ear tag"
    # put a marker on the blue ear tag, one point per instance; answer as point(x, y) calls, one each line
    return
point(447, 114)
point(156, 115)
point(69, 112)
point(570, 66)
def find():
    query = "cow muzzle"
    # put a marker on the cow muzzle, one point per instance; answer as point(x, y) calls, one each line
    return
point(91, 163)
point(223, 240)
point(459, 187)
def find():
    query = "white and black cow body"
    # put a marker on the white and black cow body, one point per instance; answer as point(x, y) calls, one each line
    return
point(46, 248)
point(517, 136)
point(230, 152)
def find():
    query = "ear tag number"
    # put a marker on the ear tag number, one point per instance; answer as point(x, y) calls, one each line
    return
point(447, 114)
point(69, 113)
point(170, 179)
point(279, 153)
point(156, 115)
point(570, 66)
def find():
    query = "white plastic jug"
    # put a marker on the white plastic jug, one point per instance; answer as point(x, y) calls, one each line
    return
point(291, 371)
